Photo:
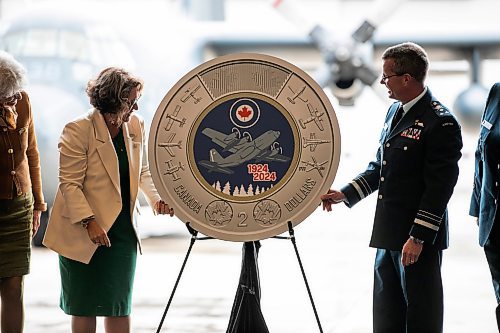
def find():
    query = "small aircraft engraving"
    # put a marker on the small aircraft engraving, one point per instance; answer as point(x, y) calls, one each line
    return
point(297, 95)
point(315, 116)
point(173, 117)
point(173, 169)
point(314, 165)
point(312, 142)
point(190, 93)
point(169, 144)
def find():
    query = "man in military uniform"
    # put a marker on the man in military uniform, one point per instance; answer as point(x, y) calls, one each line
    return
point(415, 172)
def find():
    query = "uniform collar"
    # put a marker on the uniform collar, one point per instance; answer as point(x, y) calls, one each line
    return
point(415, 111)
point(414, 101)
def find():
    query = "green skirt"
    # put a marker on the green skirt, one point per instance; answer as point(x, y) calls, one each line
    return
point(104, 286)
point(16, 218)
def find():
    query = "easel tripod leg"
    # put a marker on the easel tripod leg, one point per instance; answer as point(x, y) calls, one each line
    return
point(193, 239)
point(292, 238)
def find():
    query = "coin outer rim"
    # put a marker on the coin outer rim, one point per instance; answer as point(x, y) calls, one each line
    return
point(308, 209)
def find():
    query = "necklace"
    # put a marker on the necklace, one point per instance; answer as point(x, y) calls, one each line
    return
point(118, 140)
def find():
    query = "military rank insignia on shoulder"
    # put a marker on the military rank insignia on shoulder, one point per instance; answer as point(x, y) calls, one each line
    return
point(439, 109)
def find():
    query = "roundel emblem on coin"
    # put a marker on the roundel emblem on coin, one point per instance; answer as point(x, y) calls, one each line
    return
point(244, 113)
point(243, 144)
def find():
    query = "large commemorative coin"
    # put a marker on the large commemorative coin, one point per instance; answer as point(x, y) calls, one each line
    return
point(242, 145)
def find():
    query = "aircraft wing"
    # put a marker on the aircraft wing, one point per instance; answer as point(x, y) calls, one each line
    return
point(441, 45)
point(216, 136)
point(168, 126)
point(271, 156)
point(278, 158)
point(214, 167)
point(169, 150)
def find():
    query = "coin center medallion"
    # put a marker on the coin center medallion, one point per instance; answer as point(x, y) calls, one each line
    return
point(244, 147)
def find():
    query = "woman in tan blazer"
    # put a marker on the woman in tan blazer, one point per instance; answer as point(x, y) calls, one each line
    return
point(93, 226)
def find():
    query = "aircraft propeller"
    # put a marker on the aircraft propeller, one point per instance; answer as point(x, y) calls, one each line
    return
point(347, 64)
point(277, 147)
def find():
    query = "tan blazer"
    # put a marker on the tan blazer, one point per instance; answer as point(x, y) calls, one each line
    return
point(89, 183)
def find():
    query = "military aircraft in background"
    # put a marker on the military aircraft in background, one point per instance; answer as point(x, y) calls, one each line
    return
point(345, 61)
point(62, 52)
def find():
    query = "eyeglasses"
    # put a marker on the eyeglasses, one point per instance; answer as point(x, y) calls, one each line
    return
point(134, 102)
point(11, 99)
point(387, 77)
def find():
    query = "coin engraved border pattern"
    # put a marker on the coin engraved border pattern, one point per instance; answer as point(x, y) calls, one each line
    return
point(242, 144)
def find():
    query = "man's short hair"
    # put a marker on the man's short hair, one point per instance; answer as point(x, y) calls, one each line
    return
point(409, 58)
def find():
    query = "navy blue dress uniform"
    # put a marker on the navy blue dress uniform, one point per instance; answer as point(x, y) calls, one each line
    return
point(415, 172)
point(486, 187)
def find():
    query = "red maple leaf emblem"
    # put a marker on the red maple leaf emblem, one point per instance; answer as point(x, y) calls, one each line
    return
point(244, 112)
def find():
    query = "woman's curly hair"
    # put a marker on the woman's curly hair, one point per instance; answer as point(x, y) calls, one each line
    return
point(109, 91)
point(12, 75)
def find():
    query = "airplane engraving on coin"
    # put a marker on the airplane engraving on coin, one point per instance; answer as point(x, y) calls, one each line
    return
point(171, 118)
point(315, 116)
point(231, 144)
point(169, 144)
point(296, 95)
point(313, 142)
point(242, 150)
point(173, 169)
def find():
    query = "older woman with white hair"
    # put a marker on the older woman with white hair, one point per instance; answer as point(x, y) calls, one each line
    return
point(21, 198)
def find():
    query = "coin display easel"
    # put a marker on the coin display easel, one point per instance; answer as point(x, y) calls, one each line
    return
point(242, 146)
point(194, 237)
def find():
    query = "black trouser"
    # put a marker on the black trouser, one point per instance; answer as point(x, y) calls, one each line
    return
point(492, 251)
point(408, 299)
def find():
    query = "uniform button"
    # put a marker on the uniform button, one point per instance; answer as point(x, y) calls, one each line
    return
point(10, 151)
point(405, 148)
point(382, 179)
point(380, 196)
point(496, 183)
point(5, 129)
point(498, 166)
point(388, 145)
point(13, 172)
point(384, 162)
